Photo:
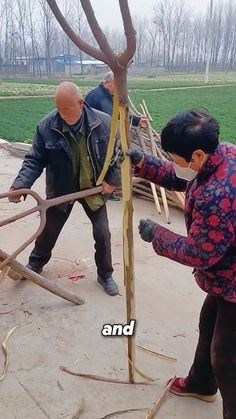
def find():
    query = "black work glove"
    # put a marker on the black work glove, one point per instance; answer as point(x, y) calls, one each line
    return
point(135, 155)
point(147, 229)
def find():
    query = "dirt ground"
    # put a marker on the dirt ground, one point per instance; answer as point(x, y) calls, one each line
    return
point(51, 332)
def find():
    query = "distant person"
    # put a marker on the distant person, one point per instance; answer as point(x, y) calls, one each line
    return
point(101, 98)
point(206, 170)
point(71, 143)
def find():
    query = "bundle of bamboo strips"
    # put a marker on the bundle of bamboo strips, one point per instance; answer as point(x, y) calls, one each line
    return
point(142, 187)
point(150, 142)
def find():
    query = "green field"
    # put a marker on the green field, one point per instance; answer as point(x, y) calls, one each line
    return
point(220, 101)
point(16, 87)
point(20, 116)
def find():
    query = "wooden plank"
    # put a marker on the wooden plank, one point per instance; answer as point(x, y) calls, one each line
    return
point(21, 272)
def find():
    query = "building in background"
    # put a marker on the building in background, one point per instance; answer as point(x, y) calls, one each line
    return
point(60, 65)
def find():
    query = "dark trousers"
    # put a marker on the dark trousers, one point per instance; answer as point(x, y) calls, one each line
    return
point(215, 358)
point(56, 219)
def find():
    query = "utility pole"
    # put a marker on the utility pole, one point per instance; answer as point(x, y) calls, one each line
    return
point(209, 34)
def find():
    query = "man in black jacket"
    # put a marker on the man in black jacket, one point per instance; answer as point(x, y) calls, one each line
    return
point(71, 143)
point(101, 98)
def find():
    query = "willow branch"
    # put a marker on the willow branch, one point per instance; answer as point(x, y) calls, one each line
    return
point(84, 46)
point(130, 34)
point(98, 33)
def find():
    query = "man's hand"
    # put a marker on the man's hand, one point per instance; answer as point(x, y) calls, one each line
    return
point(107, 189)
point(143, 123)
point(136, 156)
point(16, 198)
point(147, 229)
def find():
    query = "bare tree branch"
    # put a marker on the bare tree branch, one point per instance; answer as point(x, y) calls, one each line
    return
point(130, 34)
point(98, 33)
point(106, 54)
point(94, 52)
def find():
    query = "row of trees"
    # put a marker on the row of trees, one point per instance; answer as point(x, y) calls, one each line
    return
point(174, 37)
point(179, 39)
point(28, 31)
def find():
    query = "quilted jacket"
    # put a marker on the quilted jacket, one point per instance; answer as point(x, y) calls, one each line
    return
point(210, 215)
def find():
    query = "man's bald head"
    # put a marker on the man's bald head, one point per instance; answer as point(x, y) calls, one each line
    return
point(69, 102)
point(67, 89)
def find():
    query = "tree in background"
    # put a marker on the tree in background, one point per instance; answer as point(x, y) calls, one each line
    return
point(174, 37)
point(48, 32)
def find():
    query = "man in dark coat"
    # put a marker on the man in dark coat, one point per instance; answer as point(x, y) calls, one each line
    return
point(101, 98)
point(71, 143)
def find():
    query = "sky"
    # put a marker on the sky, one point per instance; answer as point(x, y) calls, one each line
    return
point(109, 15)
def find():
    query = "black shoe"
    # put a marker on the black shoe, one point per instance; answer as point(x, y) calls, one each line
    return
point(114, 197)
point(34, 269)
point(109, 285)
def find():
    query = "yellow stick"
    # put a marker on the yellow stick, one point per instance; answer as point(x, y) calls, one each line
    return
point(156, 353)
point(134, 109)
point(153, 187)
point(112, 140)
point(156, 406)
point(147, 111)
point(163, 192)
point(4, 349)
point(128, 241)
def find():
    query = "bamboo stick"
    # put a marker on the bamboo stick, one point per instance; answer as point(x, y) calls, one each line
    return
point(145, 188)
point(100, 378)
point(149, 196)
point(128, 247)
point(144, 184)
point(163, 193)
point(154, 192)
point(154, 152)
point(165, 157)
point(133, 107)
point(146, 111)
point(180, 195)
point(143, 193)
point(153, 411)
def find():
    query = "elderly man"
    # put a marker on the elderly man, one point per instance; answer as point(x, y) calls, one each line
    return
point(101, 99)
point(71, 143)
point(206, 169)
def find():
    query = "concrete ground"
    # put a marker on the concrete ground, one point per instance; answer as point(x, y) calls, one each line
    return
point(51, 332)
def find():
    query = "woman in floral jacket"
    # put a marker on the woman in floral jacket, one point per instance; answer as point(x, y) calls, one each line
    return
point(206, 170)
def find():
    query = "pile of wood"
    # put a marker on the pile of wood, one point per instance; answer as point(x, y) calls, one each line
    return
point(175, 199)
point(149, 142)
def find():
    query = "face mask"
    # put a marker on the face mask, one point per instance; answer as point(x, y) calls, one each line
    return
point(185, 173)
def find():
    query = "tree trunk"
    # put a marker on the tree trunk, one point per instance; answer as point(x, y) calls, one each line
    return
point(121, 80)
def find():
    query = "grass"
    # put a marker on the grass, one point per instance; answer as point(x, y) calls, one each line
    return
point(220, 101)
point(46, 81)
point(32, 89)
point(18, 87)
point(19, 117)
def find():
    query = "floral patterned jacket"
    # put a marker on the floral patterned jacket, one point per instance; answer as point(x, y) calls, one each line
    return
point(210, 215)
